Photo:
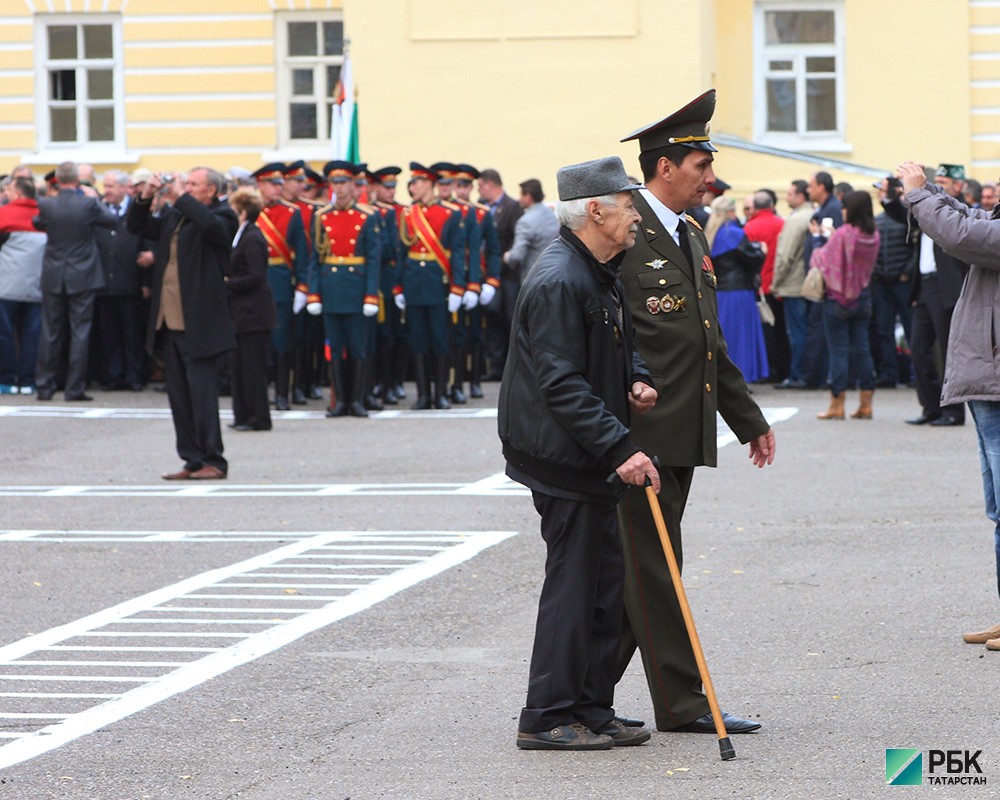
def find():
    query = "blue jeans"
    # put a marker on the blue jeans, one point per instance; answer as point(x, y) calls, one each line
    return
point(847, 340)
point(20, 327)
point(986, 413)
point(795, 325)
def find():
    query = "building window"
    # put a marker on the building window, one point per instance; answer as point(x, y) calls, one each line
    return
point(79, 88)
point(310, 50)
point(799, 65)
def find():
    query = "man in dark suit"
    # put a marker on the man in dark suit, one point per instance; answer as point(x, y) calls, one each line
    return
point(500, 313)
point(194, 239)
point(119, 305)
point(71, 276)
point(670, 288)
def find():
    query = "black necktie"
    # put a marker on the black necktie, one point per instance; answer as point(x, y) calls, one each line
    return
point(685, 243)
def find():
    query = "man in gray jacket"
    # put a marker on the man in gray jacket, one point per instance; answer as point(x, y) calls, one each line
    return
point(533, 232)
point(971, 375)
point(71, 276)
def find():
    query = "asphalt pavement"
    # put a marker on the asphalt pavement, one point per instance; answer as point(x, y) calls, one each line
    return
point(350, 614)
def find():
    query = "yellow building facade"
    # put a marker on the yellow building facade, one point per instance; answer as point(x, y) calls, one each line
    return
point(523, 86)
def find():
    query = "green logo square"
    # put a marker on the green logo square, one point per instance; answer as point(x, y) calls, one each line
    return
point(904, 766)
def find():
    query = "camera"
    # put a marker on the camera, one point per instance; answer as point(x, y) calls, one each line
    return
point(167, 177)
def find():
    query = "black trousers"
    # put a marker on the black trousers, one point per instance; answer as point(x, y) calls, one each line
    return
point(120, 324)
point(249, 380)
point(59, 311)
point(930, 323)
point(573, 661)
point(653, 620)
point(193, 392)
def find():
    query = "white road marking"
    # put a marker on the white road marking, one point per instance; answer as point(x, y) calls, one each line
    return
point(75, 412)
point(452, 548)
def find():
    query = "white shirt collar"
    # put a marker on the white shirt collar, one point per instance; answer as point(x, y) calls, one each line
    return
point(668, 219)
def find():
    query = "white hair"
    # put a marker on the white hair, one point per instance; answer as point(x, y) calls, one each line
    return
point(573, 213)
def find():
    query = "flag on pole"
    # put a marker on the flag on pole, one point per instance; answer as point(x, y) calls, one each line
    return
point(344, 116)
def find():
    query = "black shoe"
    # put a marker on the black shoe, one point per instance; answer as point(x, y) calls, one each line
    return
point(458, 396)
point(358, 410)
point(565, 737)
point(242, 427)
point(136, 387)
point(789, 383)
point(422, 403)
point(79, 398)
point(475, 391)
point(628, 722)
point(298, 397)
point(923, 419)
point(624, 735)
point(390, 399)
point(442, 403)
point(399, 391)
point(338, 410)
point(373, 403)
point(947, 421)
point(705, 724)
point(314, 393)
point(281, 403)
point(44, 394)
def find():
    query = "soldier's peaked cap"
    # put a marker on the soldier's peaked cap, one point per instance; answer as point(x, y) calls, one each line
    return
point(386, 174)
point(340, 169)
point(273, 172)
point(688, 126)
point(418, 170)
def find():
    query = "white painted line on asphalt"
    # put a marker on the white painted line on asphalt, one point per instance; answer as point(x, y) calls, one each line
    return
point(27, 744)
point(163, 414)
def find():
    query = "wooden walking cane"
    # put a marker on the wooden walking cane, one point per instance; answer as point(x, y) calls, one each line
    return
point(725, 746)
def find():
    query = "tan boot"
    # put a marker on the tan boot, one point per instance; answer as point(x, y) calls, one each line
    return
point(836, 409)
point(865, 409)
point(981, 637)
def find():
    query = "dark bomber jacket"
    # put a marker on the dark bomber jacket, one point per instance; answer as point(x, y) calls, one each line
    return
point(563, 409)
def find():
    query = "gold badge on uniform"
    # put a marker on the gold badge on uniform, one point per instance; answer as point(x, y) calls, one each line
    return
point(653, 305)
point(667, 303)
point(656, 263)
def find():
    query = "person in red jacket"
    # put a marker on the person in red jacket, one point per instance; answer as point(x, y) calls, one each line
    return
point(763, 226)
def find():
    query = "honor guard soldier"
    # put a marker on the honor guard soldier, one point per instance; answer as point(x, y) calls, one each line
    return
point(344, 283)
point(431, 282)
point(484, 270)
point(670, 288)
point(371, 402)
point(459, 320)
point(391, 358)
point(287, 257)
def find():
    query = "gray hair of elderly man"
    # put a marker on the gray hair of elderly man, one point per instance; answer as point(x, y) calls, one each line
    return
point(573, 213)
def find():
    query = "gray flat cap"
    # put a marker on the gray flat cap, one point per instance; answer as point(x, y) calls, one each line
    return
point(594, 179)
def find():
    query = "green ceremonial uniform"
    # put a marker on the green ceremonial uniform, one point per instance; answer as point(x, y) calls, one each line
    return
point(675, 314)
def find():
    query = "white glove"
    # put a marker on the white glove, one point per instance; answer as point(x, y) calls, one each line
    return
point(454, 303)
point(370, 309)
point(301, 298)
point(314, 308)
point(470, 300)
point(400, 302)
point(486, 294)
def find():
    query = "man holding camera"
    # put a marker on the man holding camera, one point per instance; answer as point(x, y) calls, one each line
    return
point(194, 237)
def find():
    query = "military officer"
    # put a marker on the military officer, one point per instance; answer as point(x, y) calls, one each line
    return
point(432, 280)
point(484, 277)
point(343, 279)
point(670, 287)
point(371, 401)
point(391, 345)
point(287, 252)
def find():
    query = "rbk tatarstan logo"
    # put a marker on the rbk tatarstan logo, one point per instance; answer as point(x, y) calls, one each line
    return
point(904, 766)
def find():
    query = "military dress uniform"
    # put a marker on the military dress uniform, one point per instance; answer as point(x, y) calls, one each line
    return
point(287, 257)
point(391, 348)
point(670, 288)
point(433, 271)
point(343, 276)
point(484, 270)
point(310, 361)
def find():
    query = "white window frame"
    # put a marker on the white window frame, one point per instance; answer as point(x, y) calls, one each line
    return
point(826, 141)
point(49, 151)
point(284, 65)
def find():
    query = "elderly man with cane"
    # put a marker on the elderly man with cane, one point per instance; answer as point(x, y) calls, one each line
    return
point(571, 380)
point(971, 235)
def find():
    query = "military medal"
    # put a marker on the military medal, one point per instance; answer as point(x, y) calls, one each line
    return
point(667, 304)
point(709, 270)
point(656, 263)
point(653, 305)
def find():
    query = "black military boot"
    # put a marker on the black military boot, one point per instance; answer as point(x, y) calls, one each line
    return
point(476, 376)
point(282, 368)
point(423, 384)
point(338, 392)
point(400, 365)
point(457, 395)
point(357, 388)
point(441, 383)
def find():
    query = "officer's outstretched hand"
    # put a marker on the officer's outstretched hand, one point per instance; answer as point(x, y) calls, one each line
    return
point(635, 471)
point(486, 294)
point(762, 449)
point(400, 301)
point(470, 300)
point(454, 303)
point(642, 397)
